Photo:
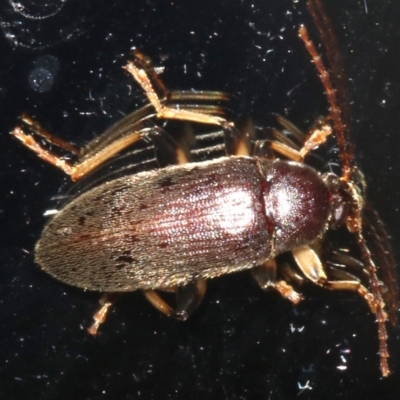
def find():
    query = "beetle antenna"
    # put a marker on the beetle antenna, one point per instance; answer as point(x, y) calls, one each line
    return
point(354, 222)
point(345, 147)
point(380, 313)
point(335, 60)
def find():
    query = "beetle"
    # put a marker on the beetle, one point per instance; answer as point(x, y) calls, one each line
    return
point(172, 228)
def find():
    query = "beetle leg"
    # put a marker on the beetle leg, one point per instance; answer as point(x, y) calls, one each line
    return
point(132, 127)
point(121, 135)
point(36, 128)
point(317, 137)
point(265, 276)
point(188, 298)
point(166, 112)
point(80, 169)
point(262, 149)
point(284, 150)
point(291, 128)
point(236, 142)
point(45, 155)
point(168, 151)
point(160, 304)
point(145, 63)
point(106, 301)
point(88, 164)
point(289, 149)
point(281, 144)
point(281, 136)
point(312, 268)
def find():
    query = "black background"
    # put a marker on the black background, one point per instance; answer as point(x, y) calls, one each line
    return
point(242, 343)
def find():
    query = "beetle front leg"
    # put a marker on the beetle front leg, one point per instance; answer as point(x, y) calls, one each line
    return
point(311, 266)
point(302, 145)
point(265, 276)
point(188, 298)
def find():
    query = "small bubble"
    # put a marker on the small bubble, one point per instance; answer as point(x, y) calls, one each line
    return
point(44, 72)
point(41, 80)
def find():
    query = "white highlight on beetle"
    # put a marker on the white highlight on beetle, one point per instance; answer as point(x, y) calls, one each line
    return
point(233, 211)
point(285, 203)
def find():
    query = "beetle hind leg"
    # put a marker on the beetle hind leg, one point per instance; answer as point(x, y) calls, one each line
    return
point(106, 301)
point(188, 299)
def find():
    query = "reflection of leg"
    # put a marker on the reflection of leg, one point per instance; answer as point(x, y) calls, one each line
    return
point(106, 301)
point(188, 298)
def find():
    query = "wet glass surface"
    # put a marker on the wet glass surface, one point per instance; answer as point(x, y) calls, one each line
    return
point(62, 63)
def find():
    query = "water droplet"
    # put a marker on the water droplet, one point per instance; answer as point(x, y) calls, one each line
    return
point(41, 80)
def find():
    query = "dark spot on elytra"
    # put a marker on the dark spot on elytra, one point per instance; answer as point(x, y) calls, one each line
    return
point(80, 238)
point(135, 222)
point(143, 207)
point(127, 259)
point(98, 198)
point(81, 221)
point(163, 245)
point(117, 191)
point(134, 239)
point(131, 238)
point(89, 213)
point(165, 184)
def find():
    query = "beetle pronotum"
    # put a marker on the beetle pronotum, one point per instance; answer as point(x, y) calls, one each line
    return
point(172, 228)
